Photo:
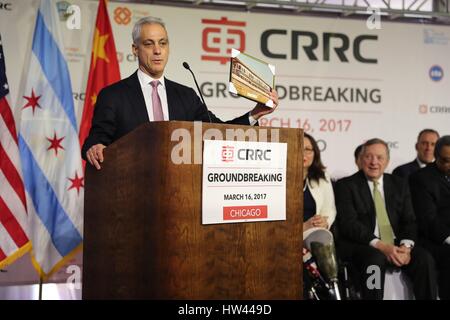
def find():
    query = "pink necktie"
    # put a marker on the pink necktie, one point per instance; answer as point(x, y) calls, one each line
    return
point(156, 102)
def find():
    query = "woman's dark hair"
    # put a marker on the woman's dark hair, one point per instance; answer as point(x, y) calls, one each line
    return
point(317, 169)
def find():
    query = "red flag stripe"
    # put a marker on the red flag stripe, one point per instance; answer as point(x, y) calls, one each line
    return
point(9, 143)
point(11, 174)
point(10, 223)
point(9, 157)
point(13, 202)
point(5, 112)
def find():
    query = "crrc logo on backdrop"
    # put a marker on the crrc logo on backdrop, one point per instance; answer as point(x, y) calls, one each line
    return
point(220, 36)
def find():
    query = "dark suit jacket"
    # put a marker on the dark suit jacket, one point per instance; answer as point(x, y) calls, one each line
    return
point(431, 199)
point(120, 108)
point(356, 210)
point(406, 169)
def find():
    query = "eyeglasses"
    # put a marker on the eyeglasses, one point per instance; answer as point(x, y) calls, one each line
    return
point(308, 151)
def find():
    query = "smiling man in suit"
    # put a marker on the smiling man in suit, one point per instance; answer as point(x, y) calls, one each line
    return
point(148, 96)
point(377, 225)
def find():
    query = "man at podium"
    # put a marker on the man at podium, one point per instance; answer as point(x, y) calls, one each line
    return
point(148, 96)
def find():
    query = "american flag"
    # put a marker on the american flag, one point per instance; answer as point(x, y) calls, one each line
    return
point(13, 213)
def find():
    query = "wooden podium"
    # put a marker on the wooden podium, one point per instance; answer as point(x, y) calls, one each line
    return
point(143, 237)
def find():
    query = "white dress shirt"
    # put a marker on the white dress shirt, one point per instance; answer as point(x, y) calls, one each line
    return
point(420, 163)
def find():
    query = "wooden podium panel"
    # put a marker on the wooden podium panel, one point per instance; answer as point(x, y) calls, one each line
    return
point(143, 237)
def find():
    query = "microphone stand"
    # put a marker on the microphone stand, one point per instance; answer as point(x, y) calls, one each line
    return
point(187, 67)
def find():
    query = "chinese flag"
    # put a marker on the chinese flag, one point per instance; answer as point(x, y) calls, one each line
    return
point(104, 69)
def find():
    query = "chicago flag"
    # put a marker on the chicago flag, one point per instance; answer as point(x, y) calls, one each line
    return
point(50, 149)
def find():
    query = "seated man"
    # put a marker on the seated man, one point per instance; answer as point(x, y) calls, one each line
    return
point(425, 147)
point(430, 190)
point(377, 226)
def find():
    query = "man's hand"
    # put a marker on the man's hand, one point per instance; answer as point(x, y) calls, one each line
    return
point(395, 255)
point(261, 110)
point(405, 254)
point(95, 155)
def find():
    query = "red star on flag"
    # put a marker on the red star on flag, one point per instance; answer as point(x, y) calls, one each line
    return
point(32, 101)
point(55, 143)
point(77, 183)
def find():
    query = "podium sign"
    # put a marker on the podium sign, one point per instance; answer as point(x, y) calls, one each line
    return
point(243, 181)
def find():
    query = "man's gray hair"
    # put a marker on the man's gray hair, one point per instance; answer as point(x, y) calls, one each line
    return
point(136, 34)
point(376, 141)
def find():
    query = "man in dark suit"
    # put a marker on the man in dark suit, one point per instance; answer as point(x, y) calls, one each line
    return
point(148, 96)
point(377, 226)
point(426, 141)
point(430, 190)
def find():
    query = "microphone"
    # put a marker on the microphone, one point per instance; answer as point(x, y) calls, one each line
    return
point(319, 287)
point(187, 67)
point(321, 244)
point(311, 266)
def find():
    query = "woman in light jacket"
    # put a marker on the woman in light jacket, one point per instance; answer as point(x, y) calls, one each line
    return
point(319, 209)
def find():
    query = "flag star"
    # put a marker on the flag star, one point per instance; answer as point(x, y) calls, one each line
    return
point(98, 49)
point(32, 101)
point(77, 183)
point(55, 143)
point(93, 99)
point(6, 86)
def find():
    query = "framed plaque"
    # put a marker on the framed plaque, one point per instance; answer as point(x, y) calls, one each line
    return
point(251, 78)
